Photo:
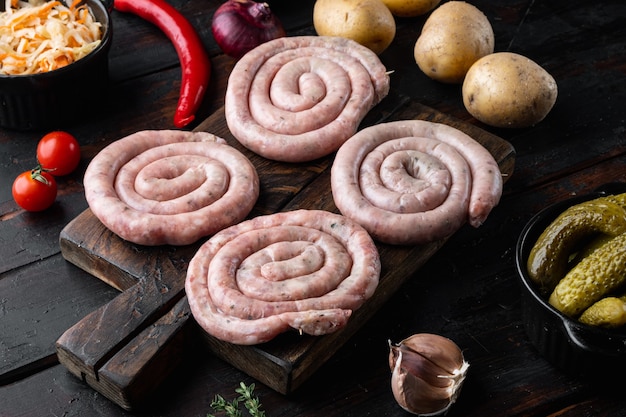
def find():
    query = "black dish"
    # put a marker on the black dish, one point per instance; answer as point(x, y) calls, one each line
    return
point(50, 100)
point(571, 346)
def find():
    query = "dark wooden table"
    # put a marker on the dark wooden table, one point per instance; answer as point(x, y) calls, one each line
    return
point(466, 291)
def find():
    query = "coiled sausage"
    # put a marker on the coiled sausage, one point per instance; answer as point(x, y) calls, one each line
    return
point(306, 270)
point(170, 187)
point(297, 99)
point(412, 182)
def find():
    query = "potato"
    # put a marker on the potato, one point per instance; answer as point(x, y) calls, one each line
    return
point(454, 36)
point(508, 90)
point(410, 8)
point(368, 22)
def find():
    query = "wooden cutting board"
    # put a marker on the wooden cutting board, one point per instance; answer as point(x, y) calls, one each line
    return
point(127, 347)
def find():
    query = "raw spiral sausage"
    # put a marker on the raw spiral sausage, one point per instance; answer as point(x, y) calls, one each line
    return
point(159, 187)
point(297, 99)
point(304, 269)
point(413, 182)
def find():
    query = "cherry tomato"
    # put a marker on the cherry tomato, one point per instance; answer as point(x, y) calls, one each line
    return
point(58, 153)
point(34, 190)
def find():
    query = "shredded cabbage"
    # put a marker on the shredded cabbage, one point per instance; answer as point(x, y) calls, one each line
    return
point(39, 36)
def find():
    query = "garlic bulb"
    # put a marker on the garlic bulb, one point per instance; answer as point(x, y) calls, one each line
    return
point(427, 373)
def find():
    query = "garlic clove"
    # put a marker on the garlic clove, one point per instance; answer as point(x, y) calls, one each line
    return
point(418, 364)
point(415, 394)
point(428, 371)
point(440, 350)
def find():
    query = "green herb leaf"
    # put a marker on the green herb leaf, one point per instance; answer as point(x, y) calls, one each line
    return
point(231, 409)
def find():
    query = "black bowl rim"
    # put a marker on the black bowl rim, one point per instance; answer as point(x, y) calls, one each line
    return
point(105, 43)
point(524, 243)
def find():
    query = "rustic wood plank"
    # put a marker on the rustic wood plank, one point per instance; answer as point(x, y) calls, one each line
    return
point(466, 291)
point(398, 264)
point(98, 337)
point(283, 363)
point(37, 303)
point(141, 365)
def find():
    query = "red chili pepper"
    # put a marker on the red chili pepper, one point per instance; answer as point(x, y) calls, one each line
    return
point(194, 61)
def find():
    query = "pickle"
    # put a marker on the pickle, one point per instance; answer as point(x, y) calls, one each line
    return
point(589, 247)
point(619, 199)
point(597, 275)
point(549, 258)
point(609, 312)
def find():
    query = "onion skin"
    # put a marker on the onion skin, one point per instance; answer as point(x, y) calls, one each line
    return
point(239, 26)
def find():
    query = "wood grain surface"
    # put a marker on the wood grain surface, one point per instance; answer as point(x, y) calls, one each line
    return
point(468, 290)
point(152, 279)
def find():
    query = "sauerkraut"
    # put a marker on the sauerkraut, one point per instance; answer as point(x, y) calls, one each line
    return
point(39, 36)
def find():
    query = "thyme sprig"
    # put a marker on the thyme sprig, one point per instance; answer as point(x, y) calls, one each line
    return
point(232, 409)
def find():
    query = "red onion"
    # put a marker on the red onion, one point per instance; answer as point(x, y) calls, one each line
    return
point(241, 25)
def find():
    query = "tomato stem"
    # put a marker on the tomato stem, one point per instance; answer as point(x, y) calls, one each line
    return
point(35, 174)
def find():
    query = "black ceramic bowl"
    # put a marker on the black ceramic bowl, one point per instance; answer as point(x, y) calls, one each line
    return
point(50, 100)
point(571, 346)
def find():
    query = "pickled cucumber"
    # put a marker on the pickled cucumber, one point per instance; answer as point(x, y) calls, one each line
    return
point(597, 275)
point(576, 226)
point(617, 199)
point(609, 312)
point(589, 247)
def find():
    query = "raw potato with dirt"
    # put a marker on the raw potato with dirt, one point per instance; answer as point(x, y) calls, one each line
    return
point(410, 8)
point(368, 22)
point(455, 36)
point(508, 90)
